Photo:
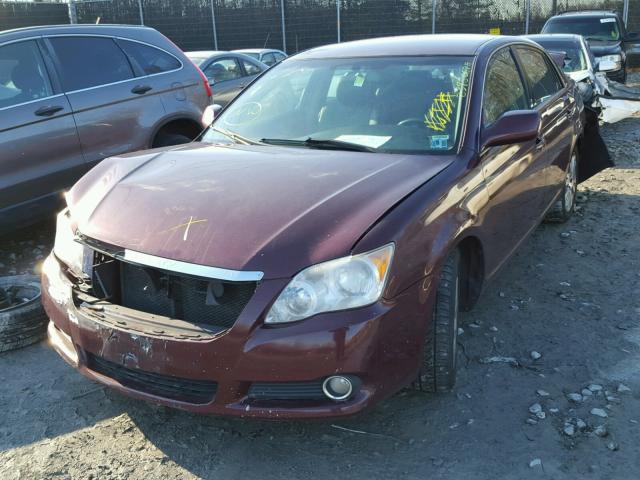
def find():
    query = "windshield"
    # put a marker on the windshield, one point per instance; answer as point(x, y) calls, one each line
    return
point(575, 59)
point(599, 29)
point(393, 104)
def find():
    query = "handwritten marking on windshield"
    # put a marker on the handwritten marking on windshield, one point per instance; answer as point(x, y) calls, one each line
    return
point(439, 114)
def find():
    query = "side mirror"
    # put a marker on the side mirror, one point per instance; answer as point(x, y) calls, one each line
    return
point(607, 65)
point(512, 127)
point(210, 114)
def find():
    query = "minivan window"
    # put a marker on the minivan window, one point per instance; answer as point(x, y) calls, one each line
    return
point(90, 61)
point(23, 77)
point(150, 59)
point(383, 104)
point(542, 79)
point(503, 90)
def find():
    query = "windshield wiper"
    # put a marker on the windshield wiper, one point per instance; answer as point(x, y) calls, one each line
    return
point(236, 137)
point(321, 144)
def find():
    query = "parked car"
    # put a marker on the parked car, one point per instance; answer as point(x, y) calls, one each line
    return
point(268, 56)
point(71, 96)
point(615, 49)
point(228, 72)
point(310, 256)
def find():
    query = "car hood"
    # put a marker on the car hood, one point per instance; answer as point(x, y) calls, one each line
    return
point(243, 207)
point(600, 48)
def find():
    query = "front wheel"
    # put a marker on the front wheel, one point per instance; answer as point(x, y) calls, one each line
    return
point(438, 370)
point(565, 206)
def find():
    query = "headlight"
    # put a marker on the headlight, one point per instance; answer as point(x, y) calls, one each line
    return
point(340, 284)
point(612, 58)
point(68, 251)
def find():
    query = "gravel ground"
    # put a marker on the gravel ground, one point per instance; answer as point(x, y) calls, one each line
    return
point(566, 309)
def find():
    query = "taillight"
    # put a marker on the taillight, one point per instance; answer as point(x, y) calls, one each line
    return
point(205, 81)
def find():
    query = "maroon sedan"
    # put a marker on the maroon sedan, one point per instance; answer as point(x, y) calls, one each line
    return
point(309, 257)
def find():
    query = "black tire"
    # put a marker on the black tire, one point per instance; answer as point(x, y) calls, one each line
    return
point(170, 140)
point(23, 323)
point(438, 372)
point(563, 209)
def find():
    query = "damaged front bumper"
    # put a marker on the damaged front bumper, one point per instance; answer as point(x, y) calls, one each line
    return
point(248, 369)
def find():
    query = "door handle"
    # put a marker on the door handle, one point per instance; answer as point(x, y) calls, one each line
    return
point(48, 110)
point(141, 89)
point(540, 143)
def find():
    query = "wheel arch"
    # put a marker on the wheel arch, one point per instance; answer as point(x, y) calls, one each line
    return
point(178, 124)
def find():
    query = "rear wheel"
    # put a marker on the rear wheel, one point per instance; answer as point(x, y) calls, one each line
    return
point(565, 206)
point(438, 372)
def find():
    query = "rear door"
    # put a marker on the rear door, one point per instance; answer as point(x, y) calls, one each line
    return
point(40, 154)
point(226, 79)
point(513, 173)
point(551, 97)
point(115, 112)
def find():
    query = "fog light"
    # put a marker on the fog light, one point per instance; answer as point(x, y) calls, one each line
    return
point(337, 387)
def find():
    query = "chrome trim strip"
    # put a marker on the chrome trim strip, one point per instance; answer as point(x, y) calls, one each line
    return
point(38, 100)
point(190, 268)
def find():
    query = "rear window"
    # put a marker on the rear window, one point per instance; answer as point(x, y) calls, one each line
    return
point(151, 60)
point(592, 28)
point(90, 62)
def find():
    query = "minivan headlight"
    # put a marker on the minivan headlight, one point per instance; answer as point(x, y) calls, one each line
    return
point(65, 248)
point(612, 58)
point(341, 284)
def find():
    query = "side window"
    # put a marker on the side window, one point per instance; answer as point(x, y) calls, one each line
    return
point(250, 68)
point(90, 61)
point(222, 70)
point(279, 57)
point(150, 59)
point(269, 59)
point(23, 77)
point(542, 79)
point(503, 91)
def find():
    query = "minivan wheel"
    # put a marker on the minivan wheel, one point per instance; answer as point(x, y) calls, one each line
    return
point(565, 206)
point(22, 318)
point(170, 139)
point(438, 372)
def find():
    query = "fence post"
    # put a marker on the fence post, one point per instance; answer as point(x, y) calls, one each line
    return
point(433, 16)
point(213, 24)
point(338, 18)
point(284, 32)
point(141, 12)
point(625, 14)
point(73, 13)
point(527, 17)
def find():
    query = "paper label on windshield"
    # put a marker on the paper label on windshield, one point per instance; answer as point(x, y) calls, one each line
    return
point(607, 20)
point(373, 141)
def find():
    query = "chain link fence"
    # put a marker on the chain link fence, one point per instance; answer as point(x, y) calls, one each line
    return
point(295, 25)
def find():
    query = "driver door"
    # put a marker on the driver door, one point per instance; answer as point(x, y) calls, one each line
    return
point(225, 78)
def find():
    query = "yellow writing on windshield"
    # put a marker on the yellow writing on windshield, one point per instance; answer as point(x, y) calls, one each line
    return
point(439, 114)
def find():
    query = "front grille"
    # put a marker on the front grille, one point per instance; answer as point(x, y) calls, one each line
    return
point(287, 391)
point(165, 386)
point(208, 302)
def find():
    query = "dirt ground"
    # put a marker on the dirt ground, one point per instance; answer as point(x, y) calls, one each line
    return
point(571, 294)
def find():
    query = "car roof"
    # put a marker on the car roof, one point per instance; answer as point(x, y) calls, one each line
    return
point(204, 53)
point(566, 37)
point(408, 45)
point(256, 50)
point(83, 28)
point(587, 14)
